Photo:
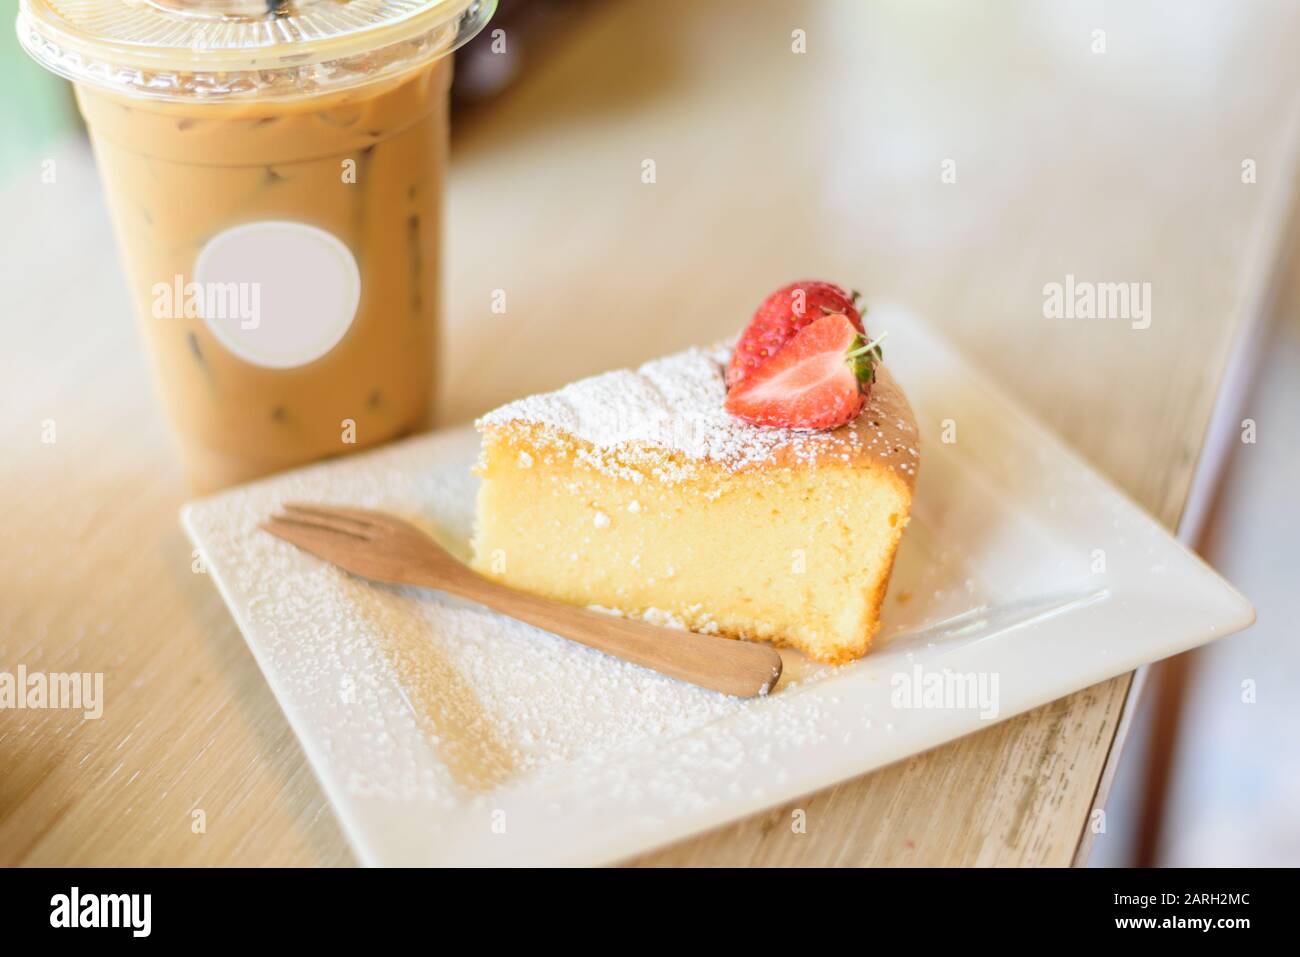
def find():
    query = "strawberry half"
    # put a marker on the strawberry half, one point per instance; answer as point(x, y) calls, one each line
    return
point(781, 316)
point(819, 380)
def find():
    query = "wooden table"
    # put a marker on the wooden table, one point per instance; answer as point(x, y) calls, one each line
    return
point(1120, 166)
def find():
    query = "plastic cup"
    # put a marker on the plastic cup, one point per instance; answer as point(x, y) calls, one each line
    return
point(275, 178)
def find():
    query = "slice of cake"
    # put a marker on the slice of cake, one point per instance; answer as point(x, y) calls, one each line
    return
point(637, 492)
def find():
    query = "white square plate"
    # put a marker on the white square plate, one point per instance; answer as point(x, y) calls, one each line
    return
point(446, 734)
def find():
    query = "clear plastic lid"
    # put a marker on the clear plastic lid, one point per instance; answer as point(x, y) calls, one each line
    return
point(224, 49)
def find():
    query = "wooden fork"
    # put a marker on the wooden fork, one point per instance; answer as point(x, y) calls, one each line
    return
point(380, 547)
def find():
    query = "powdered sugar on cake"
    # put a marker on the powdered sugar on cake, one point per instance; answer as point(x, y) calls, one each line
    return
point(675, 405)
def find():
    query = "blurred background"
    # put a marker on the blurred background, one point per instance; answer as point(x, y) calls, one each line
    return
point(1210, 772)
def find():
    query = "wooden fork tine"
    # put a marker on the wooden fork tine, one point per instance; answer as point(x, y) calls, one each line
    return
point(377, 553)
point(354, 520)
point(370, 523)
point(331, 544)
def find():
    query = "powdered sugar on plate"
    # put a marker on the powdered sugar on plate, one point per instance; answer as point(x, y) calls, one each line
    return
point(407, 695)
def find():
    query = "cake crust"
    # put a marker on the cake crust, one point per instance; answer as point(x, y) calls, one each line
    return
point(672, 409)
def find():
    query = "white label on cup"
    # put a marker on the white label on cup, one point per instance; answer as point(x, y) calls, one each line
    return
point(279, 294)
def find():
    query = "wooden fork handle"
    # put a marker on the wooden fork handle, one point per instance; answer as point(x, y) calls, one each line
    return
point(733, 667)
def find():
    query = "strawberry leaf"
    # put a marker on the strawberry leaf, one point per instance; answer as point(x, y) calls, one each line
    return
point(863, 356)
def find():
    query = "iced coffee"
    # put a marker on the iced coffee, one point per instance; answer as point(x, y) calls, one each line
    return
point(278, 211)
